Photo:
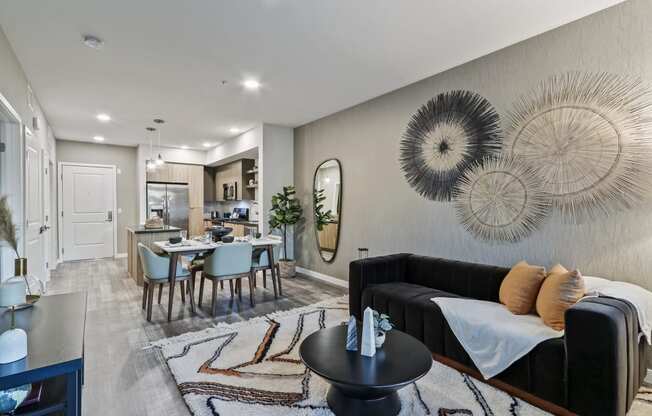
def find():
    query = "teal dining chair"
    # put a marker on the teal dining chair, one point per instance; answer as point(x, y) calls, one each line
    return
point(260, 262)
point(155, 272)
point(230, 262)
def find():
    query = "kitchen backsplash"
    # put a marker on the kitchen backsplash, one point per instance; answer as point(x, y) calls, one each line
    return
point(227, 206)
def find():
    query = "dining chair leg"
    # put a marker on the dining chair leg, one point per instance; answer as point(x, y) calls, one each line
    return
point(251, 289)
point(150, 300)
point(182, 288)
point(278, 279)
point(264, 279)
point(231, 287)
point(160, 293)
point(239, 288)
point(275, 289)
point(172, 277)
point(145, 284)
point(214, 299)
point(201, 289)
point(221, 284)
point(190, 284)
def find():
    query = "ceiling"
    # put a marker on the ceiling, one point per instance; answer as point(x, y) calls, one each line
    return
point(167, 58)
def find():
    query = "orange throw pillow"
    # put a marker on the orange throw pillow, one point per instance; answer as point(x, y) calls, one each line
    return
point(518, 291)
point(561, 290)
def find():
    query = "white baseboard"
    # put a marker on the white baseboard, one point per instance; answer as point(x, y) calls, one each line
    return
point(648, 378)
point(324, 277)
point(120, 255)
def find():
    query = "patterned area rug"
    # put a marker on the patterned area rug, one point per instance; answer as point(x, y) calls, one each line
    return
point(253, 368)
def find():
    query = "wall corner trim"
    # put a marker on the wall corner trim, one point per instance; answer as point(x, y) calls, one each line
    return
point(323, 277)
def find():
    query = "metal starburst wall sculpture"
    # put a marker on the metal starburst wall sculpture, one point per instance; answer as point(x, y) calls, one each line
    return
point(589, 138)
point(444, 138)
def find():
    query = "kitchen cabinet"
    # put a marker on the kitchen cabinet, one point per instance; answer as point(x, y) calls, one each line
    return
point(238, 229)
point(196, 222)
point(196, 186)
point(178, 172)
point(209, 184)
point(238, 172)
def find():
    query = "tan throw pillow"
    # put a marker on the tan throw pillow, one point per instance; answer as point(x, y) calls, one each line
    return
point(561, 290)
point(518, 291)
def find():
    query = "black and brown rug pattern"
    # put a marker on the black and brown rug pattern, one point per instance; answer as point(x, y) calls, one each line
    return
point(253, 368)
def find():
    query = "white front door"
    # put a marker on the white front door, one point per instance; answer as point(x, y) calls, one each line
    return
point(88, 201)
point(34, 221)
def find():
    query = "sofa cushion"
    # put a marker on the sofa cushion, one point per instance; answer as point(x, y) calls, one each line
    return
point(519, 290)
point(560, 290)
point(472, 280)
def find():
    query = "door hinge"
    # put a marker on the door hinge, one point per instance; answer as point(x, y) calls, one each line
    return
point(47, 265)
point(63, 250)
point(61, 214)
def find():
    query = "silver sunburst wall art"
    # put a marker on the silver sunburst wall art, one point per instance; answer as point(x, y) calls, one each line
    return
point(589, 137)
point(447, 135)
point(501, 200)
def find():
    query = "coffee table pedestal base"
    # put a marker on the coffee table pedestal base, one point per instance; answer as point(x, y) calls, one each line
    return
point(345, 405)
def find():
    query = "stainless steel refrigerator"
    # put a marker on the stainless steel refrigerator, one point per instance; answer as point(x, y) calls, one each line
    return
point(170, 202)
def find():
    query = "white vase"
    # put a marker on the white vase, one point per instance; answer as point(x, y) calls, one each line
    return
point(13, 345)
point(380, 339)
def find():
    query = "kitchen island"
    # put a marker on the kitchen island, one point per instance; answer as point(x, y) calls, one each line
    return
point(139, 234)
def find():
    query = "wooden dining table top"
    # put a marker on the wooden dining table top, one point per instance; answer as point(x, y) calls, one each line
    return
point(194, 245)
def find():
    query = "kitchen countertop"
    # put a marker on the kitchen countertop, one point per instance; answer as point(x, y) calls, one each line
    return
point(140, 229)
point(232, 220)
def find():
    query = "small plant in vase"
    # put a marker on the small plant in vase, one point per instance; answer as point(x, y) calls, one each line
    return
point(382, 325)
point(286, 211)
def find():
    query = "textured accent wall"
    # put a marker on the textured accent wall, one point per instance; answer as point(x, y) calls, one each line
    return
point(382, 212)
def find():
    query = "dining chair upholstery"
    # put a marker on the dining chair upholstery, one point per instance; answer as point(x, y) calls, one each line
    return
point(157, 267)
point(263, 259)
point(228, 260)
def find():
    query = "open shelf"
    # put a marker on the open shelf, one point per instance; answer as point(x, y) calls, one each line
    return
point(53, 399)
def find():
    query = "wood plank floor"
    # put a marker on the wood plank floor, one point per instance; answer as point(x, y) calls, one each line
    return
point(123, 377)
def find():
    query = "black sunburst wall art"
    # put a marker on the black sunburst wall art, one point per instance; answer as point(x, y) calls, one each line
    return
point(446, 136)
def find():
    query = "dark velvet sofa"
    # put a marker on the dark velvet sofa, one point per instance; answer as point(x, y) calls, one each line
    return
point(595, 369)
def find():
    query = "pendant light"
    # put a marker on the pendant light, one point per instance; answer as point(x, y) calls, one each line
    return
point(159, 160)
point(151, 166)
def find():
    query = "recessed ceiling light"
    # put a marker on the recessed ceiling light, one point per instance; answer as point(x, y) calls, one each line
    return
point(92, 42)
point(184, 147)
point(105, 118)
point(206, 144)
point(234, 130)
point(98, 138)
point(251, 84)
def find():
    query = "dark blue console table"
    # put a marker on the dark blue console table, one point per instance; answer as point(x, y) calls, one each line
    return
point(55, 335)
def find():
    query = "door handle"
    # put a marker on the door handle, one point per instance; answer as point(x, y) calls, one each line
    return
point(43, 228)
point(109, 216)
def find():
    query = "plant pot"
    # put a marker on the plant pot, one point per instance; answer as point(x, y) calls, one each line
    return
point(380, 339)
point(288, 268)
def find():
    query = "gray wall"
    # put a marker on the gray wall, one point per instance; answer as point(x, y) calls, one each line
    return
point(382, 212)
point(124, 158)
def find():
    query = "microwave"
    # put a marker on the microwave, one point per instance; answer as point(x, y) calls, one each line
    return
point(230, 190)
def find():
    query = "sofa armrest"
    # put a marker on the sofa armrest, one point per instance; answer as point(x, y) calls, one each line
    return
point(600, 339)
point(373, 270)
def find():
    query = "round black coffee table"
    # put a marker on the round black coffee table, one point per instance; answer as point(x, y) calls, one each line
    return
point(361, 385)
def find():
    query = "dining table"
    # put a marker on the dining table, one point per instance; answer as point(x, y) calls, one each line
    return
point(193, 247)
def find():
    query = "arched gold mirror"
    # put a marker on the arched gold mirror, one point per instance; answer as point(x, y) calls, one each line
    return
point(327, 207)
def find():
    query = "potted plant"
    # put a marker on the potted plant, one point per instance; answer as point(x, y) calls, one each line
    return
point(286, 211)
point(8, 234)
point(382, 325)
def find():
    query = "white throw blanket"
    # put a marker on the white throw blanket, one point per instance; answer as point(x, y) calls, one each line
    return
point(636, 295)
point(493, 336)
